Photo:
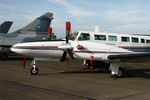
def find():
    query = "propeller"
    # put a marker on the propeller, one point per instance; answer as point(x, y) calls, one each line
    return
point(91, 61)
point(63, 56)
point(50, 30)
point(24, 61)
point(67, 46)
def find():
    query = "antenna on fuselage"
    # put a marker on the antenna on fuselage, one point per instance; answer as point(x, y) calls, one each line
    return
point(97, 29)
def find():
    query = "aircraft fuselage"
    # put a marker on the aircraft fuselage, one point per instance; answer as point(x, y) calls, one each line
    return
point(99, 49)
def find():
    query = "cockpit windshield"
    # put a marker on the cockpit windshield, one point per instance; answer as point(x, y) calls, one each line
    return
point(84, 36)
point(73, 35)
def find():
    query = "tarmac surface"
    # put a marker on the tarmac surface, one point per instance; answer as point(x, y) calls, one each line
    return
point(71, 81)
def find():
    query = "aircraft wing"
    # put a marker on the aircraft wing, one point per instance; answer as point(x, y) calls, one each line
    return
point(130, 56)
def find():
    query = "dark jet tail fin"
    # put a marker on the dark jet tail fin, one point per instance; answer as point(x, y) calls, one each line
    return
point(4, 27)
point(39, 25)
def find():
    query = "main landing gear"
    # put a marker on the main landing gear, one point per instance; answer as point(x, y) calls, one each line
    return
point(115, 70)
point(34, 70)
point(112, 66)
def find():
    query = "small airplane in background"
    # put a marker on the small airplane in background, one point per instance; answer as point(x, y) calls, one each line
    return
point(102, 49)
point(5, 26)
point(35, 31)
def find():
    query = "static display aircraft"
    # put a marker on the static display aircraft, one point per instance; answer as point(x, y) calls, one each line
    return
point(104, 49)
point(5, 26)
point(35, 31)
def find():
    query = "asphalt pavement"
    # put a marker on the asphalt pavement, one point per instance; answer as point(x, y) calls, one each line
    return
point(72, 81)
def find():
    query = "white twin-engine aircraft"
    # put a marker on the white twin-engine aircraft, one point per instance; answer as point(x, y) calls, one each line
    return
point(101, 49)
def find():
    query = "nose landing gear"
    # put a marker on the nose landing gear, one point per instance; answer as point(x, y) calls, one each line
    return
point(34, 70)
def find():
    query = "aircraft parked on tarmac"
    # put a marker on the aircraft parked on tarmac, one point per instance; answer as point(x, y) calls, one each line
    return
point(108, 49)
point(35, 31)
point(5, 26)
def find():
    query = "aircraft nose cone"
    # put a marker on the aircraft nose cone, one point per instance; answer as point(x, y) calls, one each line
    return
point(13, 49)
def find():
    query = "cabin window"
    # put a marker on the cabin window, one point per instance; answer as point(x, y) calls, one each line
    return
point(84, 36)
point(100, 37)
point(125, 39)
point(142, 40)
point(112, 38)
point(147, 41)
point(135, 40)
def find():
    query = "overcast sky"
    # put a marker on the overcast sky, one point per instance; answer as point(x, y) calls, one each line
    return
point(120, 16)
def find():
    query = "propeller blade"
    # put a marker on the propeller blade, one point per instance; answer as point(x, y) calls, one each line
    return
point(24, 61)
point(68, 29)
point(63, 57)
point(50, 31)
point(91, 61)
point(70, 53)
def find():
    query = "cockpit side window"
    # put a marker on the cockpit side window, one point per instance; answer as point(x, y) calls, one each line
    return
point(84, 36)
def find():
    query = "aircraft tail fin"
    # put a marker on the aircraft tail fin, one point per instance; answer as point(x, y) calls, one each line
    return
point(4, 27)
point(39, 25)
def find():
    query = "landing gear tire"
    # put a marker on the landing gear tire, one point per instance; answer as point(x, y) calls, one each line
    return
point(115, 76)
point(119, 75)
point(34, 71)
